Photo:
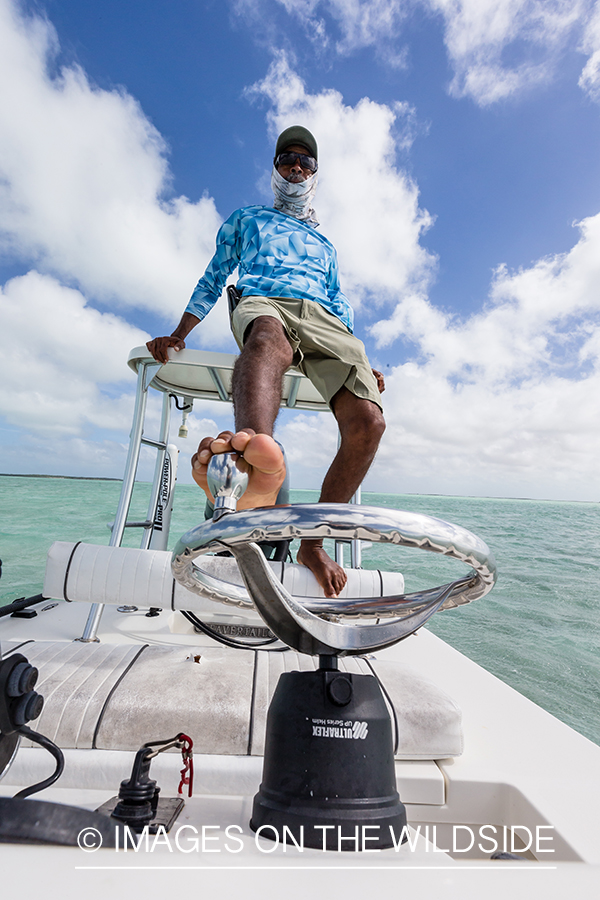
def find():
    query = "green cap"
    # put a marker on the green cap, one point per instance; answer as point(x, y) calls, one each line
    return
point(296, 134)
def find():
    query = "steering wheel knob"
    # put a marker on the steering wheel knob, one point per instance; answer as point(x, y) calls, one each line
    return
point(227, 478)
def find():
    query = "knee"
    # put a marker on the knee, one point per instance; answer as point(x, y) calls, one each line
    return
point(375, 424)
point(366, 427)
point(266, 336)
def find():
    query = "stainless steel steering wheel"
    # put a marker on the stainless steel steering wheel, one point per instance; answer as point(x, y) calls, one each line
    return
point(308, 626)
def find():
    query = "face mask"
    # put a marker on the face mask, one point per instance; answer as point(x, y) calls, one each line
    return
point(295, 199)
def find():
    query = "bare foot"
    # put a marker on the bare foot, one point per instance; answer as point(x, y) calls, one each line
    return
point(264, 458)
point(328, 573)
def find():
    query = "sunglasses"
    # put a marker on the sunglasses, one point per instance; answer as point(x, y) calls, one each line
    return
point(289, 158)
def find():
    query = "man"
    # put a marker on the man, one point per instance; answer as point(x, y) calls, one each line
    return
point(292, 312)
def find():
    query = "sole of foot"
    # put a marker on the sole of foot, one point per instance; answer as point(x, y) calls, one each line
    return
point(266, 466)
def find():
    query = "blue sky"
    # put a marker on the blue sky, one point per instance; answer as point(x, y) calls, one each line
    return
point(459, 181)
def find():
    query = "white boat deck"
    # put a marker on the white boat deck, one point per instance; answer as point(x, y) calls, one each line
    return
point(520, 766)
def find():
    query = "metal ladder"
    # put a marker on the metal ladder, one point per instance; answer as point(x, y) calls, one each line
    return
point(156, 525)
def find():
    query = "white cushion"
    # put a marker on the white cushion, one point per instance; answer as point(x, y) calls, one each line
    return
point(92, 573)
point(118, 697)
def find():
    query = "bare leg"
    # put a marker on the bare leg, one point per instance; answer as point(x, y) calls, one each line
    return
point(361, 425)
point(258, 374)
point(257, 379)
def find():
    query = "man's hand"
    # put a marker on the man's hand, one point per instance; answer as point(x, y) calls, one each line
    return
point(159, 346)
point(380, 380)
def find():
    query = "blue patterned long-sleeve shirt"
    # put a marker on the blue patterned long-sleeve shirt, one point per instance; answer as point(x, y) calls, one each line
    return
point(277, 256)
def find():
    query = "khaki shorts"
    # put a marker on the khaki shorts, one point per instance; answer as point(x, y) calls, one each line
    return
point(324, 350)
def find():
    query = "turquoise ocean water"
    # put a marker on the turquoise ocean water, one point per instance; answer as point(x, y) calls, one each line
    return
point(539, 629)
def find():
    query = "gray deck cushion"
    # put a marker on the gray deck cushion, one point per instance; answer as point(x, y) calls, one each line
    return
point(75, 681)
point(429, 720)
point(118, 697)
point(167, 691)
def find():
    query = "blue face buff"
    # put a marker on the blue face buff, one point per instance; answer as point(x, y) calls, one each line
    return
point(295, 199)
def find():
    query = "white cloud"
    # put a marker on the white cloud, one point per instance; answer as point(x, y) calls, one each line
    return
point(507, 401)
point(84, 194)
point(497, 48)
point(61, 358)
point(317, 431)
point(71, 456)
point(362, 23)
point(84, 183)
point(67, 387)
point(481, 34)
point(590, 77)
point(367, 207)
point(536, 320)
point(538, 439)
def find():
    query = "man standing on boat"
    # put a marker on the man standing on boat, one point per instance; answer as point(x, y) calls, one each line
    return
point(291, 312)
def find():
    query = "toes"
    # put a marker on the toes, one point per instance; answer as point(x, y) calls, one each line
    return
point(335, 583)
point(339, 582)
point(221, 444)
point(202, 454)
point(241, 439)
point(328, 573)
point(339, 578)
point(204, 443)
point(260, 450)
point(218, 446)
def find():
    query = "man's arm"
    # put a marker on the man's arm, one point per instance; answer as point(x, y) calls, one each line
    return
point(207, 291)
point(159, 346)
